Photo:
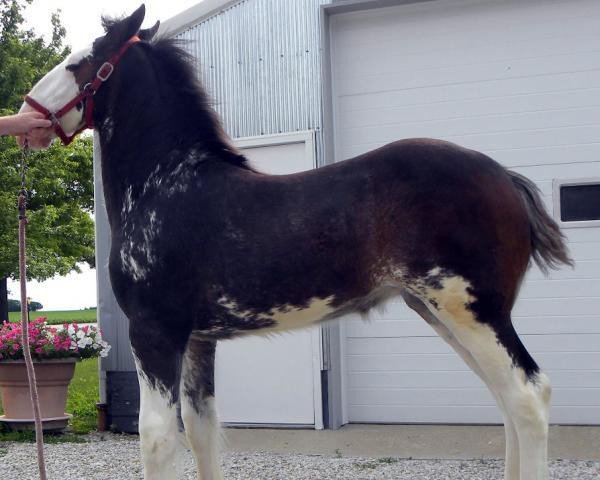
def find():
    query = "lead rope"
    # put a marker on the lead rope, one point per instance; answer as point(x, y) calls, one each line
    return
point(22, 203)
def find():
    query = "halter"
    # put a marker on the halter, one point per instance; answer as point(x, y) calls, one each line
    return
point(86, 95)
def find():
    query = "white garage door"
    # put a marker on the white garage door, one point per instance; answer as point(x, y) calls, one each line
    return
point(518, 80)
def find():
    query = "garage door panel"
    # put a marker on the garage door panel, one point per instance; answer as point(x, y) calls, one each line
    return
point(407, 379)
point(561, 379)
point(479, 107)
point(472, 414)
point(421, 21)
point(457, 126)
point(552, 85)
point(414, 362)
point(556, 324)
point(533, 324)
point(382, 79)
point(465, 396)
point(358, 346)
point(450, 115)
point(420, 396)
point(395, 56)
point(568, 305)
point(421, 414)
point(554, 288)
point(585, 269)
point(517, 80)
point(518, 157)
point(539, 173)
point(434, 344)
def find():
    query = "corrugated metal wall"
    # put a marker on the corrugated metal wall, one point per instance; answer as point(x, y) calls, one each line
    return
point(261, 62)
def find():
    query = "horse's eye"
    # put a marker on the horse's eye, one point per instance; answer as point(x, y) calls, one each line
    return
point(73, 67)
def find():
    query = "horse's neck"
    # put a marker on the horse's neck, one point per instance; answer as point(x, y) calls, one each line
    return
point(127, 163)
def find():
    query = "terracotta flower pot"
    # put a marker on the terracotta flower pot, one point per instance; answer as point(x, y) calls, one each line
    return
point(53, 377)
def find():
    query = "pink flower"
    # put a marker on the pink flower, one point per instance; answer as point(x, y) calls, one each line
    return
point(39, 350)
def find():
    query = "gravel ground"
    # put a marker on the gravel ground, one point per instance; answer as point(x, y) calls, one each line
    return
point(118, 458)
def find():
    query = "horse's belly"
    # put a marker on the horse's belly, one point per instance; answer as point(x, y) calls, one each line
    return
point(238, 321)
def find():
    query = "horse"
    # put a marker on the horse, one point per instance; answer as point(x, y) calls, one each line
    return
point(207, 248)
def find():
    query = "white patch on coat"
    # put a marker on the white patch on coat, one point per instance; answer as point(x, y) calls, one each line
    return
point(129, 264)
point(286, 317)
point(127, 204)
point(57, 88)
point(108, 127)
point(150, 232)
point(160, 440)
point(177, 180)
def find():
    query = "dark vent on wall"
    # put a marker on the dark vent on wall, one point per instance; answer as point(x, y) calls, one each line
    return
point(580, 202)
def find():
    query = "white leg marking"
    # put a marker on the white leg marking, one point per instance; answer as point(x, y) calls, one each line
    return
point(526, 403)
point(511, 462)
point(198, 410)
point(159, 435)
point(202, 430)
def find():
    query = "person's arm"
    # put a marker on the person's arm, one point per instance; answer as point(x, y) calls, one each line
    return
point(23, 123)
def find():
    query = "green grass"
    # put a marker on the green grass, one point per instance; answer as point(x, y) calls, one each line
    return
point(81, 402)
point(58, 317)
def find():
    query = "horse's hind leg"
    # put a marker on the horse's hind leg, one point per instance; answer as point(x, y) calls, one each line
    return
point(511, 461)
point(158, 365)
point(197, 393)
point(511, 373)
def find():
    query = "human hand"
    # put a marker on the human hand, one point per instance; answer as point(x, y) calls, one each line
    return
point(24, 123)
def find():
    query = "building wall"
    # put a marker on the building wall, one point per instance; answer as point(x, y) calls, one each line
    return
point(261, 62)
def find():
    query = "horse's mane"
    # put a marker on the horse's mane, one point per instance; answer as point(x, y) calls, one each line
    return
point(178, 66)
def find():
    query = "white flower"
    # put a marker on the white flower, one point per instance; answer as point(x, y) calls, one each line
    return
point(80, 334)
point(105, 350)
point(71, 330)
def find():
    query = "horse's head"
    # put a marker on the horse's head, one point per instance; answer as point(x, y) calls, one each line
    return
point(64, 93)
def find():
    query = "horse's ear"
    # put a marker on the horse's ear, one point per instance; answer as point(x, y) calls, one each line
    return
point(122, 30)
point(148, 33)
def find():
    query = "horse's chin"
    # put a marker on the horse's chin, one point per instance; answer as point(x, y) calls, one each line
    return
point(37, 143)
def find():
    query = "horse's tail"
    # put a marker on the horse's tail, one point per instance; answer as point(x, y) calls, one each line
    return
point(548, 247)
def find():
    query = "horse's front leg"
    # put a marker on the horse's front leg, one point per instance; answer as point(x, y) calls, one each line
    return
point(197, 394)
point(158, 363)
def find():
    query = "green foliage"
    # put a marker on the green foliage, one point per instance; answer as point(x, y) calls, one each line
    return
point(58, 317)
point(59, 180)
point(25, 57)
point(83, 395)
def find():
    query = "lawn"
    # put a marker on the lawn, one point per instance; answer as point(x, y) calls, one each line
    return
point(83, 395)
point(58, 317)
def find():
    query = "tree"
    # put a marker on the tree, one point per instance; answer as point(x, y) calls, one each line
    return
point(14, 305)
point(35, 306)
point(59, 180)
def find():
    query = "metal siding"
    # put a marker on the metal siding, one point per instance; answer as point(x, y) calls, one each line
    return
point(260, 60)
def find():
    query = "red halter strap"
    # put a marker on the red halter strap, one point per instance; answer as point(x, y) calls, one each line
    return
point(86, 95)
